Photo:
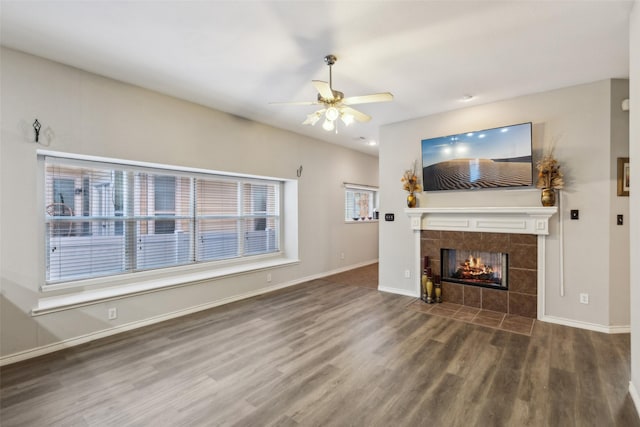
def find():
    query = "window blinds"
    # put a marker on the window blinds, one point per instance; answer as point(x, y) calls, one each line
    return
point(359, 202)
point(104, 218)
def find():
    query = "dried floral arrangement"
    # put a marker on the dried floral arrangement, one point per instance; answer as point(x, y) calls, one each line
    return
point(410, 180)
point(549, 175)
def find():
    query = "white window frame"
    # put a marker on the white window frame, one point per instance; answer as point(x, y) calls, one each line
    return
point(84, 291)
point(373, 208)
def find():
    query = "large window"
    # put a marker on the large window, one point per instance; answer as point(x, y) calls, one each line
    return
point(360, 203)
point(104, 218)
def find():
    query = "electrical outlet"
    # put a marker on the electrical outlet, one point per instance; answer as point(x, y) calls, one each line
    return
point(268, 277)
point(584, 298)
point(112, 313)
point(341, 255)
point(407, 274)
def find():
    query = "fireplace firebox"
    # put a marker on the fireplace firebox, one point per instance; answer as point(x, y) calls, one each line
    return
point(476, 268)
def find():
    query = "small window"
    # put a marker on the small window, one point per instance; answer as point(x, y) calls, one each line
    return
point(360, 203)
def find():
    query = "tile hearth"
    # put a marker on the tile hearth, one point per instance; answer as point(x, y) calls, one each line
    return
point(476, 316)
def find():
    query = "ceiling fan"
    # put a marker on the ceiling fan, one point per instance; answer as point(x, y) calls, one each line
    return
point(335, 105)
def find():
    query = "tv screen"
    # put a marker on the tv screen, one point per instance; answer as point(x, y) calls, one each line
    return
point(491, 158)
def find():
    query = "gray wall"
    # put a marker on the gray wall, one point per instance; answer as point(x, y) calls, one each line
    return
point(619, 308)
point(589, 130)
point(634, 131)
point(87, 114)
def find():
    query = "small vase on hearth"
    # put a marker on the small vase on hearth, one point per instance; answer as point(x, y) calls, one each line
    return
point(429, 286)
point(438, 289)
point(423, 281)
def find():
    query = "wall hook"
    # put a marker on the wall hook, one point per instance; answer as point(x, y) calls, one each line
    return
point(36, 127)
point(299, 171)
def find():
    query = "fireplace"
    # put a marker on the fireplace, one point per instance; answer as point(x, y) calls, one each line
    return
point(518, 232)
point(475, 268)
point(491, 255)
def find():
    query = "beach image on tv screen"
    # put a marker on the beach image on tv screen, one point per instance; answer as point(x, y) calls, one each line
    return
point(492, 158)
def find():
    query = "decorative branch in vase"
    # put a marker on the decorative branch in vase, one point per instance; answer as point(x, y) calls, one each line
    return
point(410, 183)
point(549, 178)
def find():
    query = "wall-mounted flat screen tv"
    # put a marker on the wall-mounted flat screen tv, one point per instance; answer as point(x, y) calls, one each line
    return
point(491, 158)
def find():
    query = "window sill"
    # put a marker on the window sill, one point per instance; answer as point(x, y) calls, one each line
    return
point(366, 221)
point(95, 296)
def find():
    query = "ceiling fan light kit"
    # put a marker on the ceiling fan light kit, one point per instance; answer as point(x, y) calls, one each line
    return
point(335, 105)
point(347, 119)
point(332, 113)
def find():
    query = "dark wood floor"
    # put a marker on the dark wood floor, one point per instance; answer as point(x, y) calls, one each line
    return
point(365, 277)
point(323, 353)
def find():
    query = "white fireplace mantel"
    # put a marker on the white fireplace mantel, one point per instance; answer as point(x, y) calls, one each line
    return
point(525, 220)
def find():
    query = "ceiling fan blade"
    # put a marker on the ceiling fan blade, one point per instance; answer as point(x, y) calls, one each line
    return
point(324, 89)
point(364, 99)
point(296, 103)
point(358, 115)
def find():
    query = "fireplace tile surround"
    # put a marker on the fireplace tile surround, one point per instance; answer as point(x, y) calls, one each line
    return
point(519, 231)
point(519, 299)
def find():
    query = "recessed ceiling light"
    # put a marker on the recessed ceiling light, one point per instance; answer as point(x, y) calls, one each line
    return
point(366, 140)
point(466, 98)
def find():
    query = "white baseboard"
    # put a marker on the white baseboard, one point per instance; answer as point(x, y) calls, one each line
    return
point(625, 329)
point(635, 396)
point(398, 291)
point(633, 391)
point(72, 342)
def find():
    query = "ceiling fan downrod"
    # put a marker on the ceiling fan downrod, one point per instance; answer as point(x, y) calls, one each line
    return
point(330, 60)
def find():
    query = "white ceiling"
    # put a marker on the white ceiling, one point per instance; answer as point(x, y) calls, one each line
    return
point(238, 56)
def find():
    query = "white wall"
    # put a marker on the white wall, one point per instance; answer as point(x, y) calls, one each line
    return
point(634, 154)
point(88, 114)
point(579, 120)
